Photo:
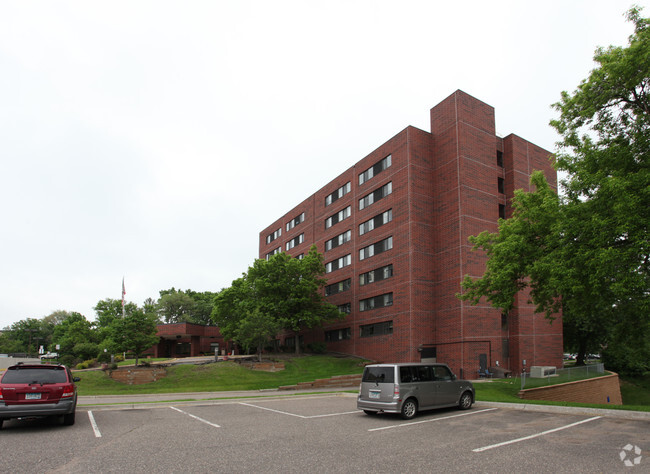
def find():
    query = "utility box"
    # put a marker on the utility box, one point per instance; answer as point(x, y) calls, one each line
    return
point(541, 371)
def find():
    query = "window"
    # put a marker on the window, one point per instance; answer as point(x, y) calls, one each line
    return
point(415, 373)
point(375, 222)
point(297, 241)
point(380, 301)
point(378, 274)
point(338, 240)
point(376, 248)
point(500, 185)
point(271, 237)
point(378, 329)
point(441, 373)
point(338, 335)
point(338, 217)
point(376, 195)
point(375, 169)
point(502, 211)
point(295, 221)
point(270, 254)
point(338, 287)
point(339, 193)
point(338, 263)
point(378, 374)
point(500, 159)
point(345, 308)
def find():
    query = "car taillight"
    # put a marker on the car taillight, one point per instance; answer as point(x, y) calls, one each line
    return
point(68, 391)
point(396, 392)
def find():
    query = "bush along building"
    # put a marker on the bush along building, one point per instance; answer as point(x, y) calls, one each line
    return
point(394, 231)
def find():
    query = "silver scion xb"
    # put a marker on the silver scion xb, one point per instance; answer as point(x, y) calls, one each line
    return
point(407, 388)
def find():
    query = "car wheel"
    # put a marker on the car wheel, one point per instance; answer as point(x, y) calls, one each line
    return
point(370, 412)
point(68, 419)
point(1, 421)
point(465, 401)
point(409, 409)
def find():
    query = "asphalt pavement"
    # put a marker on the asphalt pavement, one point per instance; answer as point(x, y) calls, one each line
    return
point(126, 402)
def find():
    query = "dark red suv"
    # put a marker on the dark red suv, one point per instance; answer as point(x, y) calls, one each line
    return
point(28, 391)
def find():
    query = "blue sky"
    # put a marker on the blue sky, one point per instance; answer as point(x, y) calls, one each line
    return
point(153, 140)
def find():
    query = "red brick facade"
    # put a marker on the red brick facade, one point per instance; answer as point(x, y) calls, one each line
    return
point(445, 186)
point(186, 340)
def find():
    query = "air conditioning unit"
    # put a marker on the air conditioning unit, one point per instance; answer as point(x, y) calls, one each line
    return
point(541, 371)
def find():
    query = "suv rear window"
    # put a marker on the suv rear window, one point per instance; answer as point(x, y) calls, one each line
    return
point(35, 375)
point(379, 375)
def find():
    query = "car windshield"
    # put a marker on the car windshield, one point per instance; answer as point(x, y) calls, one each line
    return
point(34, 375)
point(379, 375)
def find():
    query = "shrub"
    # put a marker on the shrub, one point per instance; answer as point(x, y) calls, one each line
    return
point(86, 364)
point(317, 347)
point(103, 357)
point(68, 360)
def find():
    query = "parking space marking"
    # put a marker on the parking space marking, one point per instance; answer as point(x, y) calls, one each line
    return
point(296, 415)
point(93, 423)
point(196, 417)
point(401, 425)
point(525, 438)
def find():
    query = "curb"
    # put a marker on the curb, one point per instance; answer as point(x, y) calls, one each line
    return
point(623, 414)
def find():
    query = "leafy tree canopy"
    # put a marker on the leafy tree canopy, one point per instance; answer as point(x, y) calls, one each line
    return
point(279, 293)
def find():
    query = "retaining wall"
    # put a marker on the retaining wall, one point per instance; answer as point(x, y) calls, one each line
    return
point(140, 375)
point(600, 390)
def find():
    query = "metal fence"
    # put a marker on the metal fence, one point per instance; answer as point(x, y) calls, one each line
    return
point(568, 374)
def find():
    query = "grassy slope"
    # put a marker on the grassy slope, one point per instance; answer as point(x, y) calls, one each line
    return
point(226, 376)
point(223, 376)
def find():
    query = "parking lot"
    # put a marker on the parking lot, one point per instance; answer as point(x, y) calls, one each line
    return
point(322, 433)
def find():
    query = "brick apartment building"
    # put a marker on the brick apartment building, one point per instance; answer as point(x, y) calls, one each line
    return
point(394, 231)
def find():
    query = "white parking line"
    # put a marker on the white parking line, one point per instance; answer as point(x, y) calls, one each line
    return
point(297, 416)
point(432, 419)
point(196, 417)
point(498, 445)
point(93, 423)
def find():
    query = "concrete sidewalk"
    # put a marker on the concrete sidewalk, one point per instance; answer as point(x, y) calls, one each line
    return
point(126, 402)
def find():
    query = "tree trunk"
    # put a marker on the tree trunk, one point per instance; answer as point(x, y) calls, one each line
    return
point(297, 343)
point(582, 352)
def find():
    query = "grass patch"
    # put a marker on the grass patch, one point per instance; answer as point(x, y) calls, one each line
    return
point(636, 390)
point(223, 376)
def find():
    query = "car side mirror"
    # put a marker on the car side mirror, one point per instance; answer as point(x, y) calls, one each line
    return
point(76, 379)
point(453, 377)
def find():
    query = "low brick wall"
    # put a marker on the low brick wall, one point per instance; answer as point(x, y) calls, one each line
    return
point(338, 381)
point(139, 375)
point(600, 390)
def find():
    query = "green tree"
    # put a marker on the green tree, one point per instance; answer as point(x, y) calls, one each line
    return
point(587, 253)
point(72, 331)
point(175, 306)
point(136, 332)
point(283, 291)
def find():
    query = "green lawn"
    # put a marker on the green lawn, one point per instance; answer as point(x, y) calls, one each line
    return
point(223, 376)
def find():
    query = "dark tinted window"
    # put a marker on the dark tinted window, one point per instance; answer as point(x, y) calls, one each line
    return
point(379, 375)
point(35, 375)
point(442, 373)
point(415, 374)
